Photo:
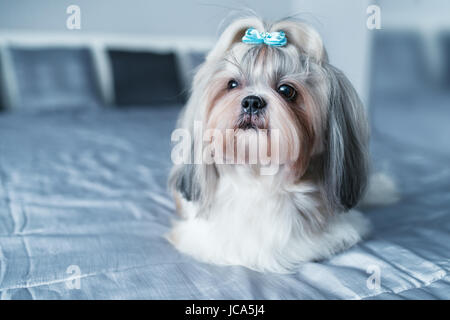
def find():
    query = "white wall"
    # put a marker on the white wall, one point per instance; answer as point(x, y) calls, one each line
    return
point(148, 17)
point(342, 25)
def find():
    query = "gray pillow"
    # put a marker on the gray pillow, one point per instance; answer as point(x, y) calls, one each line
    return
point(145, 78)
point(54, 78)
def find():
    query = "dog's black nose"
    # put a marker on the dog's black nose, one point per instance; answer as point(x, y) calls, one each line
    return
point(253, 104)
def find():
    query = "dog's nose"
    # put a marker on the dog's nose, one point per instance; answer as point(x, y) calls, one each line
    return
point(253, 104)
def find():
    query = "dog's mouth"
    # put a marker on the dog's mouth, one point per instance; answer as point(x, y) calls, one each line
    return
point(250, 121)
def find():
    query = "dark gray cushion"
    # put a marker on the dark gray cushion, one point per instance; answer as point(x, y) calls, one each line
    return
point(196, 58)
point(145, 78)
point(54, 78)
point(445, 47)
point(399, 63)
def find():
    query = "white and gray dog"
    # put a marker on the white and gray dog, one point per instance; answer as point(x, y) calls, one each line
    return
point(271, 78)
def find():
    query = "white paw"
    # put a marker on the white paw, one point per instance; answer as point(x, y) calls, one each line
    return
point(382, 190)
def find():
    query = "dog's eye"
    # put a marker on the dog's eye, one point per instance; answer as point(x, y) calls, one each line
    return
point(232, 84)
point(287, 92)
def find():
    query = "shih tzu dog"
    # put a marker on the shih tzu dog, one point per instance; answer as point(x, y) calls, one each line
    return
point(270, 86)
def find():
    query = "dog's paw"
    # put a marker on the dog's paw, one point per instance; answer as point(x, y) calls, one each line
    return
point(382, 190)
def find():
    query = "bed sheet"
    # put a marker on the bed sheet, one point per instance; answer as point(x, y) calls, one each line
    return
point(84, 207)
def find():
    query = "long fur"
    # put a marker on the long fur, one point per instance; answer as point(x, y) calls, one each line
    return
point(231, 213)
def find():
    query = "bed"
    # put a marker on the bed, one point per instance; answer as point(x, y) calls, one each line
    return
point(84, 207)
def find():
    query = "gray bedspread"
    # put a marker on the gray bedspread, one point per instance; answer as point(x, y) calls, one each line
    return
point(84, 207)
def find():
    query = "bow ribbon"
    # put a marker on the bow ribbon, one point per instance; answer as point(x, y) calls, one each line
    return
point(276, 39)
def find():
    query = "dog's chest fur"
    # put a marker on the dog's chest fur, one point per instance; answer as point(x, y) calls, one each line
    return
point(257, 221)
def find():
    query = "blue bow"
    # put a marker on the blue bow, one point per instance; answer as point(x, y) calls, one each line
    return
point(276, 39)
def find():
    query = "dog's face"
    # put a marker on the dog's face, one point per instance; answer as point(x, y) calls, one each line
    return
point(290, 89)
point(259, 87)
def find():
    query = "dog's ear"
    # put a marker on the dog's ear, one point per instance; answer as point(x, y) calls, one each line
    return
point(304, 37)
point(232, 34)
point(183, 180)
point(346, 142)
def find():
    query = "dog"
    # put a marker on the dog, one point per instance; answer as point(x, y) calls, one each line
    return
point(271, 78)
